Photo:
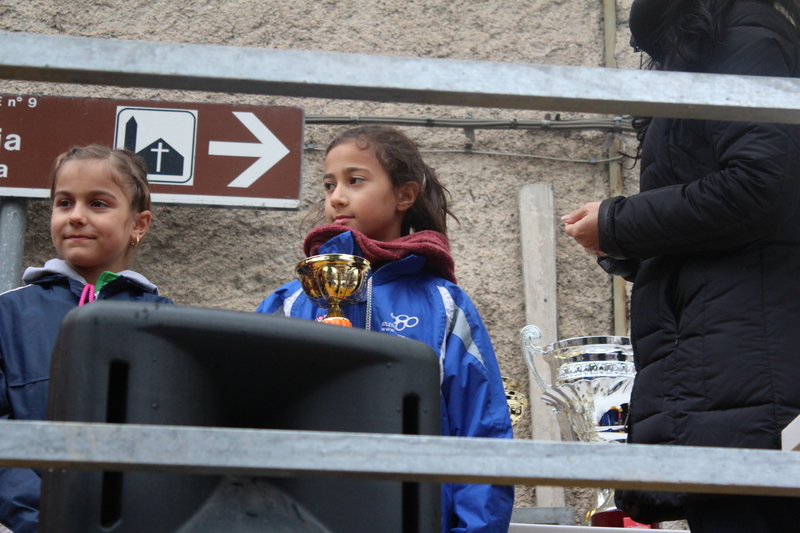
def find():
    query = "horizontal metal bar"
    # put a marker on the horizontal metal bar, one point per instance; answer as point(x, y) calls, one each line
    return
point(194, 450)
point(53, 58)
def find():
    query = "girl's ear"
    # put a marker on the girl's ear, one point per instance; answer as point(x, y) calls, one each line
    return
point(141, 222)
point(406, 195)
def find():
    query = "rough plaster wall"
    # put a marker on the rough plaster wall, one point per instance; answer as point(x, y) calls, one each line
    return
point(232, 258)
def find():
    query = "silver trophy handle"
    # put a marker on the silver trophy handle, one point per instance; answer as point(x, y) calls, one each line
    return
point(528, 339)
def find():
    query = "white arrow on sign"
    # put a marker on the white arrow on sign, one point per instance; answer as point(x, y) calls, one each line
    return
point(269, 150)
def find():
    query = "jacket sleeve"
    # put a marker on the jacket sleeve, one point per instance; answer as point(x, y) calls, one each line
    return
point(19, 487)
point(754, 191)
point(19, 499)
point(475, 406)
point(273, 304)
point(624, 268)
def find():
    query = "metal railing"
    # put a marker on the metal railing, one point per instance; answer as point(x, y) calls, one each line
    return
point(396, 79)
point(411, 80)
point(273, 453)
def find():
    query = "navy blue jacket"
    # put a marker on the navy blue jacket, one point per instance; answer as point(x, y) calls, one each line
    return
point(30, 318)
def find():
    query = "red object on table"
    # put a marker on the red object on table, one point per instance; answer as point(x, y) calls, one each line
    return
point(617, 518)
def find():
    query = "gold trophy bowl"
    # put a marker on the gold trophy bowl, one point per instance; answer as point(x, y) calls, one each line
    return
point(332, 281)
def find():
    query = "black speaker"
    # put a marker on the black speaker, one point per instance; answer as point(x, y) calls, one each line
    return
point(123, 362)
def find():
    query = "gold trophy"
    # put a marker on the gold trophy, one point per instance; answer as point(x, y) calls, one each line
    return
point(517, 402)
point(332, 281)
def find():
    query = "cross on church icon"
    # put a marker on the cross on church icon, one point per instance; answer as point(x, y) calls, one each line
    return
point(164, 138)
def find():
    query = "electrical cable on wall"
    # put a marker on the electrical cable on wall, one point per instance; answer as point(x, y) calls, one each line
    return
point(615, 125)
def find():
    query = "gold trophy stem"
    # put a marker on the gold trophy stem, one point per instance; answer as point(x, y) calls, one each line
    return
point(335, 310)
point(335, 314)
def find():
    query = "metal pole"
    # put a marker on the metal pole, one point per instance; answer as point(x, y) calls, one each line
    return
point(619, 288)
point(610, 32)
point(13, 221)
point(619, 292)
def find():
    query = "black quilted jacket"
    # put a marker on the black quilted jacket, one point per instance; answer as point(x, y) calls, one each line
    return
point(715, 308)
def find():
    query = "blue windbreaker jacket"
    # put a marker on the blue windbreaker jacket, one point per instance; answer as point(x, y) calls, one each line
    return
point(30, 318)
point(409, 302)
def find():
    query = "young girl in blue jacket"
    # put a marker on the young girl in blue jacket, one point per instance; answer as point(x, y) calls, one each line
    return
point(382, 202)
point(101, 212)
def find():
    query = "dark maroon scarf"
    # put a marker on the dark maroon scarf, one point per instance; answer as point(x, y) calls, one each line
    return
point(430, 244)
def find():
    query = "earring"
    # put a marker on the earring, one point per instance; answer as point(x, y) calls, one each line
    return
point(135, 243)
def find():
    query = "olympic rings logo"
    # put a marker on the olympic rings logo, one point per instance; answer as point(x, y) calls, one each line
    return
point(402, 322)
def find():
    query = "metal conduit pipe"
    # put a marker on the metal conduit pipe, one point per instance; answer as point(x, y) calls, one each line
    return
point(619, 289)
point(615, 124)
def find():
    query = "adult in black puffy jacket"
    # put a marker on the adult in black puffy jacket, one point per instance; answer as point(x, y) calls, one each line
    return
point(712, 243)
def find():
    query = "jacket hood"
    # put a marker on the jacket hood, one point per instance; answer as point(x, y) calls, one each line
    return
point(60, 267)
point(645, 21)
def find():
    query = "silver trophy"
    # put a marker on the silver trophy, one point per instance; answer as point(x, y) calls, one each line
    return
point(591, 378)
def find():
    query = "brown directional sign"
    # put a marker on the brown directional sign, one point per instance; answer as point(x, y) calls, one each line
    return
point(200, 154)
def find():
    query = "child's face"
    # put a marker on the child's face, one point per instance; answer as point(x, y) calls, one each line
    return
point(359, 193)
point(92, 224)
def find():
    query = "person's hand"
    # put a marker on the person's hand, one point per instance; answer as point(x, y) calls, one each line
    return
point(581, 225)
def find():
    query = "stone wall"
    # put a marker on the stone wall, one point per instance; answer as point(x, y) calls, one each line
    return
point(232, 258)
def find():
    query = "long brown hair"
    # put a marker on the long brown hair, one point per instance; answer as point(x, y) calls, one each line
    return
point(401, 159)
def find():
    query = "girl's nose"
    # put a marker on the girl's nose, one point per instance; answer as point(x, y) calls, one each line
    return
point(338, 196)
point(77, 215)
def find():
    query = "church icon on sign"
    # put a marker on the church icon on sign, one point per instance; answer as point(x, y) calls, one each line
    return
point(161, 157)
point(164, 138)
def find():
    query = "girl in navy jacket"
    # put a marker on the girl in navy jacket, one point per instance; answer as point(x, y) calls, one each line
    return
point(101, 212)
point(377, 190)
